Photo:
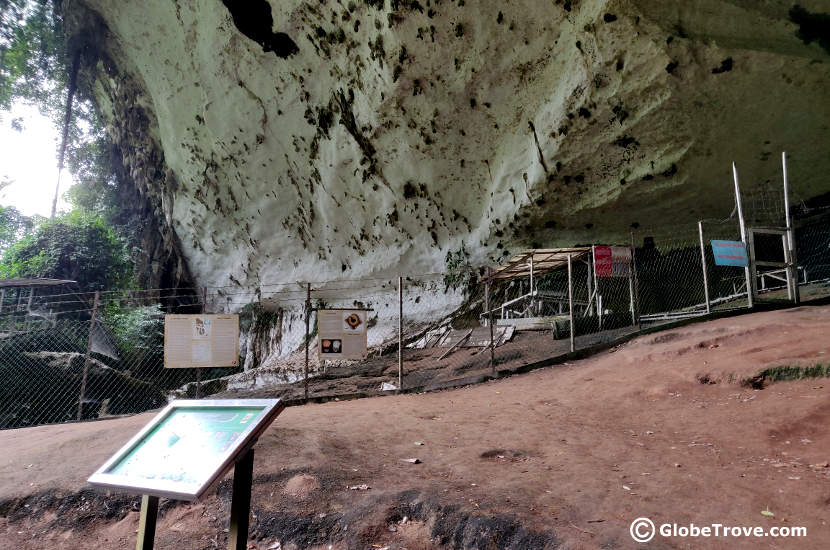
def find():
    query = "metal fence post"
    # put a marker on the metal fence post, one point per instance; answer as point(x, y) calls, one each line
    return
point(490, 318)
point(86, 357)
point(703, 263)
point(307, 321)
point(400, 333)
point(747, 272)
point(792, 269)
point(199, 369)
point(571, 299)
point(636, 281)
point(631, 284)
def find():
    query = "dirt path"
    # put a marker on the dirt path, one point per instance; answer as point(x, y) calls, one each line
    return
point(565, 457)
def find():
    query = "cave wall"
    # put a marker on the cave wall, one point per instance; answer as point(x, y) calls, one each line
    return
point(314, 140)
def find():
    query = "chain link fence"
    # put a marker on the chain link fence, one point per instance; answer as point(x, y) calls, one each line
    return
point(67, 356)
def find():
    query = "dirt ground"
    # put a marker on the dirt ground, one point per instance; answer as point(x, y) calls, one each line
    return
point(564, 457)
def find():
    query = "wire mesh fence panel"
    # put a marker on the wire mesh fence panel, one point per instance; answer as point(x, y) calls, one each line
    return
point(69, 355)
point(813, 259)
point(669, 278)
point(41, 371)
point(727, 283)
point(81, 364)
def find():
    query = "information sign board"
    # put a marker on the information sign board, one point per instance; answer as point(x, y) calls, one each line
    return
point(730, 253)
point(187, 446)
point(193, 341)
point(342, 333)
point(612, 261)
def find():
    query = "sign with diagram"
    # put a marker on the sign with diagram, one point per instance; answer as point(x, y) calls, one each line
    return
point(730, 253)
point(342, 333)
point(187, 446)
point(201, 341)
point(612, 261)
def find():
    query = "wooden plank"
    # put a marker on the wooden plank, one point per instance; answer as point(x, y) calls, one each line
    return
point(241, 502)
point(147, 523)
point(469, 332)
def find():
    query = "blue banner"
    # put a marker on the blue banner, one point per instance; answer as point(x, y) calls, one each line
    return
point(730, 253)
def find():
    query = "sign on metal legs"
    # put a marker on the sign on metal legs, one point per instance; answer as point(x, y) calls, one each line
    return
point(184, 450)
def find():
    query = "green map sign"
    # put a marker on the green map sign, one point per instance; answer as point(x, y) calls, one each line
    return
point(187, 447)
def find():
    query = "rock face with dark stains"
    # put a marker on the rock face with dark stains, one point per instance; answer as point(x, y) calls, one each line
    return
point(384, 134)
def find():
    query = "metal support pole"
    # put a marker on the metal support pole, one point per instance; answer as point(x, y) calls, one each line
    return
point(591, 303)
point(703, 263)
point(307, 321)
point(792, 267)
point(29, 307)
point(241, 502)
point(750, 294)
point(490, 318)
point(636, 282)
point(532, 301)
point(631, 288)
point(400, 333)
point(199, 369)
point(86, 357)
point(147, 522)
point(571, 300)
point(753, 269)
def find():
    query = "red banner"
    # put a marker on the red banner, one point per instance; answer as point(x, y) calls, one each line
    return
point(603, 261)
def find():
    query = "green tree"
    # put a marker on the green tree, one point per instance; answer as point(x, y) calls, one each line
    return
point(33, 62)
point(74, 246)
point(13, 226)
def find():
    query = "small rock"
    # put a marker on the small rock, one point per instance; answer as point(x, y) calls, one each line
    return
point(677, 465)
point(411, 460)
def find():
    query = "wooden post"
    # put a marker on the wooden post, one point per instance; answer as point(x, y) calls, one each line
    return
point(241, 502)
point(750, 295)
point(86, 358)
point(147, 522)
point(490, 318)
point(571, 300)
point(307, 321)
point(792, 268)
point(703, 263)
point(400, 333)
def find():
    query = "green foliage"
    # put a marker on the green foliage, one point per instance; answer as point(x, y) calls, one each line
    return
point(784, 373)
point(34, 68)
point(13, 226)
point(459, 273)
point(32, 55)
point(75, 246)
